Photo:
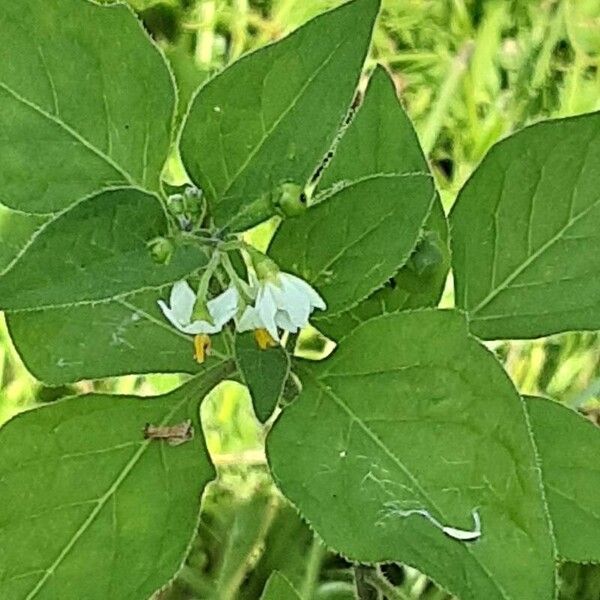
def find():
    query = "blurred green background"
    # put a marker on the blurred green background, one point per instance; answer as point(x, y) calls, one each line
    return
point(469, 72)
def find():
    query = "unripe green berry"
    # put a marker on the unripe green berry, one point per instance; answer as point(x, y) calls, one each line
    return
point(290, 200)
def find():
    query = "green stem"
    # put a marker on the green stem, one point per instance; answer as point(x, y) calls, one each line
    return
point(206, 35)
point(382, 585)
point(242, 287)
point(313, 568)
point(196, 582)
point(229, 590)
point(364, 589)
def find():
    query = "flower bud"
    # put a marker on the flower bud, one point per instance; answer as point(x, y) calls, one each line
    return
point(192, 200)
point(176, 204)
point(264, 267)
point(161, 250)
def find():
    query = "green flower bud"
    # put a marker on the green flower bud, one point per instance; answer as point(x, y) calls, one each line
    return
point(192, 200)
point(161, 250)
point(176, 204)
point(264, 267)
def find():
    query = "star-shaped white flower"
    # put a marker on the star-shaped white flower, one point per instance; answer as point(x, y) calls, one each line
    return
point(282, 301)
point(221, 309)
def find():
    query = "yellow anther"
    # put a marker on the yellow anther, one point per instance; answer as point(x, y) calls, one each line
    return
point(202, 347)
point(263, 339)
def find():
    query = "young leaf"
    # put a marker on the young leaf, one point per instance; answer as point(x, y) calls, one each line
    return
point(411, 413)
point(76, 117)
point(263, 371)
point(418, 284)
point(526, 250)
point(97, 250)
point(278, 588)
point(350, 244)
point(381, 139)
point(568, 445)
point(107, 513)
point(107, 339)
point(271, 116)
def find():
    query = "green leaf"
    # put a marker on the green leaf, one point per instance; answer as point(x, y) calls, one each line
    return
point(76, 117)
point(348, 245)
point(272, 115)
point(526, 250)
point(568, 445)
point(286, 546)
point(410, 412)
point(96, 250)
point(263, 371)
point(381, 139)
point(95, 511)
point(16, 229)
point(127, 335)
point(278, 588)
point(418, 284)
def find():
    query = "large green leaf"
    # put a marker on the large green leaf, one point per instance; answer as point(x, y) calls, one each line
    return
point(569, 445)
point(263, 371)
point(16, 230)
point(91, 509)
point(86, 102)
point(410, 412)
point(97, 250)
point(351, 243)
point(106, 339)
point(381, 139)
point(272, 115)
point(526, 249)
point(279, 588)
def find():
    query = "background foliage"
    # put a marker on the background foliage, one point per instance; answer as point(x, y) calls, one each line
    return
point(468, 72)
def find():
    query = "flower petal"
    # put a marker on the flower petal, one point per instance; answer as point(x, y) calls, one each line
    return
point(198, 327)
point(292, 300)
point(249, 320)
point(171, 316)
point(315, 299)
point(223, 307)
point(283, 320)
point(266, 307)
point(182, 299)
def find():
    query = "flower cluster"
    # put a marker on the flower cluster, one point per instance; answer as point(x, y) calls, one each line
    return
point(271, 301)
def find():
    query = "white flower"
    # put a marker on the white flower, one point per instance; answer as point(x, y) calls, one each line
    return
point(221, 309)
point(283, 301)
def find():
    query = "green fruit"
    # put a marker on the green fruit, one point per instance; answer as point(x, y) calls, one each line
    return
point(290, 200)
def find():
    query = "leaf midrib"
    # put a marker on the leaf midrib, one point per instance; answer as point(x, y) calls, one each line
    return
point(267, 133)
point(73, 133)
point(530, 259)
point(101, 503)
point(344, 406)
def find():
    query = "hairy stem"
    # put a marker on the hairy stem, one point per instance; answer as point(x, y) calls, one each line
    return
point(374, 579)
